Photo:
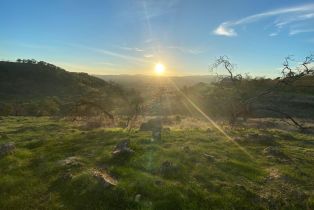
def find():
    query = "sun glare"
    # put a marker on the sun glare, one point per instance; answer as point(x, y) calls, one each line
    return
point(159, 69)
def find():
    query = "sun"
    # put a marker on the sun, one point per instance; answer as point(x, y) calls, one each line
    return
point(159, 69)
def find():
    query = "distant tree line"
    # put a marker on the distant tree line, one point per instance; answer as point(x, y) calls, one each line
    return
point(33, 61)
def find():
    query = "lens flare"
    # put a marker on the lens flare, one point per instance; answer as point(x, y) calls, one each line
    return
point(212, 121)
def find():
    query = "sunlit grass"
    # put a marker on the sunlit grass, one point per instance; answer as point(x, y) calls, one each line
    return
point(33, 178)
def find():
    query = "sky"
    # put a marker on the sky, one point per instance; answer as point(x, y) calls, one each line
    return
point(131, 36)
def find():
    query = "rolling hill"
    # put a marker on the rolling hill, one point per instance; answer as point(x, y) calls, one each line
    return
point(33, 80)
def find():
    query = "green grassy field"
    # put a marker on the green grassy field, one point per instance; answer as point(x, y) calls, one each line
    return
point(53, 163)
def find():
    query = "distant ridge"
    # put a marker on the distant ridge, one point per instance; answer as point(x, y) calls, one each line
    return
point(138, 80)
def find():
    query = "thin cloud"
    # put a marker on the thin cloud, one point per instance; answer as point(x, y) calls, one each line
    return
point(273, 34)
point(228, 28)
point(279, 23)
point(149, 56)
point(132, 49)
point(110, 53)
point(138, 50)
point(298, 31)
point(194, 51)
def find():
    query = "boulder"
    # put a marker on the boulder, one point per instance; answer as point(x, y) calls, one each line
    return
point(122, 148)
point(6, 149)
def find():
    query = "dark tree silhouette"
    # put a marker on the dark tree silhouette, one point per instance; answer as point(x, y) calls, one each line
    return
point(241, 102)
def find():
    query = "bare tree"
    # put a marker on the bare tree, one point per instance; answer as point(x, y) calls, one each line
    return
point(243, 105)
point(229, 67)
point(94, 103)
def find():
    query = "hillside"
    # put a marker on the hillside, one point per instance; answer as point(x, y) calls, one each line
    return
point(32, 80)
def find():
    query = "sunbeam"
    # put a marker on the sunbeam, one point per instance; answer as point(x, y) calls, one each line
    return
point(210, 120)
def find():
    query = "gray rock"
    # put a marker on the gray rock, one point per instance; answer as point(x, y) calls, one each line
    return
point(6, 149)
point(122, 148)
point(137, 198)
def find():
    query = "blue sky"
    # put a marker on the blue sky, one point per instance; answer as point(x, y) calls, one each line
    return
point(130, 36)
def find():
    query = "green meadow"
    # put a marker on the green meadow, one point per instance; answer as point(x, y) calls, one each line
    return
point(54, 161)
